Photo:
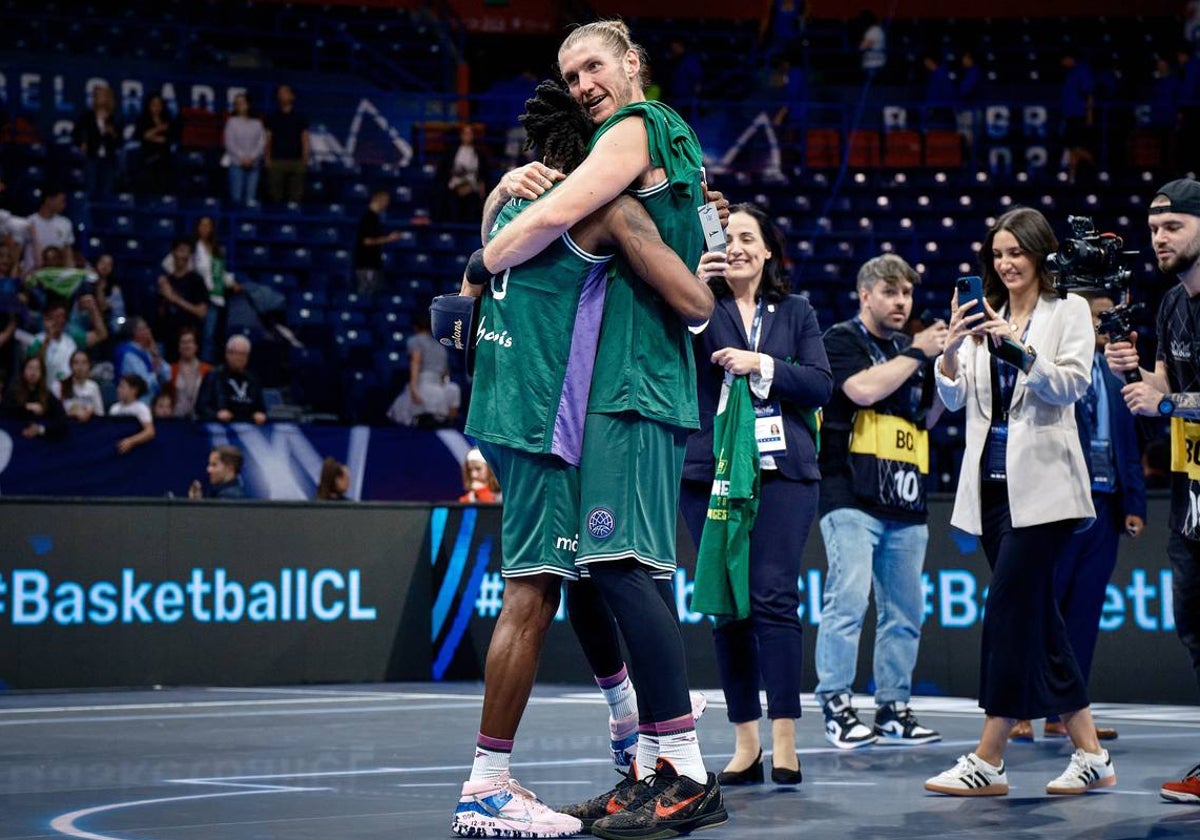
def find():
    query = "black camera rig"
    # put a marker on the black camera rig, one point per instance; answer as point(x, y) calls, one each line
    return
point(1097, 263)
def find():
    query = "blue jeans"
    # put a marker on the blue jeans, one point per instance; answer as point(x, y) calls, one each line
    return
point(862, 549)
point(243, 183)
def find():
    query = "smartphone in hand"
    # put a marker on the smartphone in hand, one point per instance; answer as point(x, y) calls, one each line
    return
point(970, 289)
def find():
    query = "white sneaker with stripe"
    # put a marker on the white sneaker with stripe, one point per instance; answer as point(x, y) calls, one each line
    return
point(971, 776)
point(1085, 771)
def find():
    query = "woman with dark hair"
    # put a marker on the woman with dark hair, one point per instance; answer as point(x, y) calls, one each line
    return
point(29, 399)
point(1023, 488)
point(760, 331)
point(335, 481)
point(156, 130)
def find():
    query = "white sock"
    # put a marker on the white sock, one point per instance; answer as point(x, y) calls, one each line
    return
point(619, 694)
point(682, 749)
point(647, 754)
point(492, 758)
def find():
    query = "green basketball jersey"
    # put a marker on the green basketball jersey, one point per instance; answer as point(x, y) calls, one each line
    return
point(645, 363)
point(535, 347)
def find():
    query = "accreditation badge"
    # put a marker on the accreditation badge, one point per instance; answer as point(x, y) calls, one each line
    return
point(768, 429)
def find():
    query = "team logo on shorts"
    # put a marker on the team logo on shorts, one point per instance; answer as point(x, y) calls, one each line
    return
point(601, 523)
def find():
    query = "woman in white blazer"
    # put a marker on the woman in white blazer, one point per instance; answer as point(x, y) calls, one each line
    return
point(1018, 368)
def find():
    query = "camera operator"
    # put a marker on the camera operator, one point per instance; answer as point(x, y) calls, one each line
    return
point(1173, 390)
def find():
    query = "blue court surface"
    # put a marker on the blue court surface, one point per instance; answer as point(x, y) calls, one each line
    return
point(386, 762)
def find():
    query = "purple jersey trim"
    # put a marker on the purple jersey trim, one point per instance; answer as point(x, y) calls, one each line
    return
point(567, 441)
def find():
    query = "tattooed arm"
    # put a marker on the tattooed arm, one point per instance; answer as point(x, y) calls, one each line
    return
point(635, 237)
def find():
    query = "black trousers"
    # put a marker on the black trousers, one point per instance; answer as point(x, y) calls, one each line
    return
point(1027, 669)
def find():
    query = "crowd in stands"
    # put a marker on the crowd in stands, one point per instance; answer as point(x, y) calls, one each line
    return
point(100, 281)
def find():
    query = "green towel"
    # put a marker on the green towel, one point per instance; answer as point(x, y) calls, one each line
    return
point(723, 559)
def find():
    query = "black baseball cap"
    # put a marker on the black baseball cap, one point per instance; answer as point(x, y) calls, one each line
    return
point(1184, 194)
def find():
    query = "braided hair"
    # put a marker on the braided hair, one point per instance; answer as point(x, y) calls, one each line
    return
point(555, 123)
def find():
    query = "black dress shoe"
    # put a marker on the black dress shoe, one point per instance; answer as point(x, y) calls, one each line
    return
point(752, 775)
point(785, 776)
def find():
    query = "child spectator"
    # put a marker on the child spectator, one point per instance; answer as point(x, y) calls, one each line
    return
point(224, 476)
point(335, 481)
point(79, 393)
point(29, 400)
point(130, 390)
point(164, 406)
point(478, 480)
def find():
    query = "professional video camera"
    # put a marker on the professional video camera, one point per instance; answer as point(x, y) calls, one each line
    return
point(1097, 263)
point(1089, 261)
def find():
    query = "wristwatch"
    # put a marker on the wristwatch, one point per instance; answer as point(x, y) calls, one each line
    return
point(1028, 359)
point(1166, 406)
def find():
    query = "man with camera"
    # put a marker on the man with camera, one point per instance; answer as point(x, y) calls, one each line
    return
point(1173, 390)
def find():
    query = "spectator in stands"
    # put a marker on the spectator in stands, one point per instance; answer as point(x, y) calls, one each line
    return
point(187, 373)
point(54, 279)
point(182, 297)
point(142, 356)
point(287, 149)
point(97, 135)
point(157, 131)
point(232, 393)
point(224, 476)
point(1078, 101)
point(479, 482)
point(940, 93)
point(462, 177)
point(208, 260)
point(430, 399)
point(335, 481)
point(245, 145)
point(873, 46)
point(47, 227)
point(164, 405)
point(781, 30)
point(968, 95)
point(368, 244)
point(79, 393)
point(29, 400)
point(58, 344)
point(130, 390)
point(109, 299)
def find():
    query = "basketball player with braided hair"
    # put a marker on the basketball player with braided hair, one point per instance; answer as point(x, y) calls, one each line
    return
point(535, 350)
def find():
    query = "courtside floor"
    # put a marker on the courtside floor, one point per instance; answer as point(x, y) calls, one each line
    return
point(385, 762)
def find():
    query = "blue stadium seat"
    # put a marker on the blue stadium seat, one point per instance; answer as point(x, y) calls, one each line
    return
point(346, 318)
point(255, 257)
point(313, 298)
point(391, 366)
point(284, 283)
point(350, 300)
point(295, 257)
point(247, 230)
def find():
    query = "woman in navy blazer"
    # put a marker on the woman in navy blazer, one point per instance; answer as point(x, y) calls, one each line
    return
point(759, 329)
